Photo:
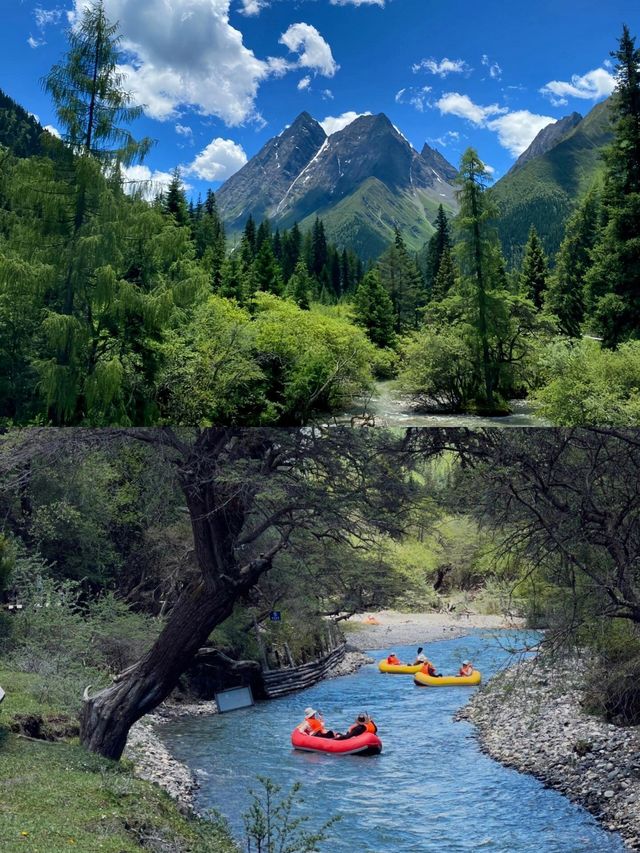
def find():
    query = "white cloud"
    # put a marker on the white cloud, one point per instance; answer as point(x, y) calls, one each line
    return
point(516, 130)
point(218, 161)
point(462, 106)
point(449, 138)
point(495, 71)
point(314, 52)
point(327, 94)
point(357, 2)
point(253, 7)
point(147, 183)
point(186, 53)
point(47, 17)
point(183, 130)
point(304, 84)
point(442, 68)
point(53, 131)
point(591, 86)
point(332, 124)
point(34, 43)
point(414, 96)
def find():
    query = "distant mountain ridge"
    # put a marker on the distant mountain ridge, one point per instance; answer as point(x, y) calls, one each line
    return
point(363, 181)
point(545, 189)
point(548, 138)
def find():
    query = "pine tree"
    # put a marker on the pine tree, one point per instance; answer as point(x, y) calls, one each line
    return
point(535, 270)
point(300, 286)
point(613, 283)
point(266, 272)
point(445, 280)
point(437, 246)
point(87, 92)
point(263, 233)
point(250, 238)
point(565, 296)
point(234, 283)
point(319, 250)
point(291, 250)
point(373, 310)
point(175, 200)
point(477, 253)
point(401, 278)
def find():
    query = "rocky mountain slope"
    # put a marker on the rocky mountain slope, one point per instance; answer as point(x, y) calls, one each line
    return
point(545, 189)
point(363, 181)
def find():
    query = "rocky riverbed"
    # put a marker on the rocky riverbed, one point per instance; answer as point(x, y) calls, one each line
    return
point(530, 718)
point(153, 761)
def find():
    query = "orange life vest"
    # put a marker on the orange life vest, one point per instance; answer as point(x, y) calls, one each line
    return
point(392, 660)
point(428, 669)
point(314, 724)
point(371, 727)
point(466, 671)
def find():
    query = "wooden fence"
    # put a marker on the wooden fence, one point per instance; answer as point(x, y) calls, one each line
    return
point(280, 682)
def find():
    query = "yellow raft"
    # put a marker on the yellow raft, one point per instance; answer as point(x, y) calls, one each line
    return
point(394, 669)
point(423, 680)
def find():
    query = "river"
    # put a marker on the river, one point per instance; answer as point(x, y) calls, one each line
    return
point(391, 408)
point(431, 789)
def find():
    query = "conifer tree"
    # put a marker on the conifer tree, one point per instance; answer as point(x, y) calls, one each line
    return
point(234, 282)
point(445, 279)
point(250, 238)
point(291, 250)
point(613, 283)
point(175, 200)
point(300, 286)
point(565, 296)
point(437, 246)
point(87, 90)
point(535, 270)
point(477, 252)
point(373, 310)
point(319, 250)
point(266, 272)
point(401, 278)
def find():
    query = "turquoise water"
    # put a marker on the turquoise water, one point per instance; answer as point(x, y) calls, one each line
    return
point(431, 789)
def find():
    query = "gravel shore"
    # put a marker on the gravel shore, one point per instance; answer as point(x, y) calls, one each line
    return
point(406, 629)
point(530, 718)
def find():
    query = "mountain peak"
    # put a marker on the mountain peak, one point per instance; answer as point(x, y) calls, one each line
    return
point(550, 136)
point(435, 160)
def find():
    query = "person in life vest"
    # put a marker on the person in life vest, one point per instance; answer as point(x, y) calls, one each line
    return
point(393, 660)
point(313, 725)
point(363, 724)
point(429, 669)
point(466, 669)
point(420, 657)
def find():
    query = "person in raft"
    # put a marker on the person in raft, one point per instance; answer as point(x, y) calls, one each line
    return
point(466, 669)
point(363, 724)
point(429, 669)
point(394, 660)
point(420, 657)
point(313, 725)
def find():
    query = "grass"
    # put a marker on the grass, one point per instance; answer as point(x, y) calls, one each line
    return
point(55, 796)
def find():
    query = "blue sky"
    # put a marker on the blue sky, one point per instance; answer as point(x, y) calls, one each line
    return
point(220, 77)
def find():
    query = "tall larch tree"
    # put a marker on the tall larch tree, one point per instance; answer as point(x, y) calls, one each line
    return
point(436, 248)
point(476, 252)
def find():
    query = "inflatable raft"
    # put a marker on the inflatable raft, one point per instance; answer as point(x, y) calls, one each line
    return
point(366, 744)
point(423, 680)
point(394, 669)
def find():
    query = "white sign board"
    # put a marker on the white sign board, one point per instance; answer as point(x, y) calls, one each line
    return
point(1, 694)
point(232, 700)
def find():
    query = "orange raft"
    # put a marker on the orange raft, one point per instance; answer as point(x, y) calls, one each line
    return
point(366, 744)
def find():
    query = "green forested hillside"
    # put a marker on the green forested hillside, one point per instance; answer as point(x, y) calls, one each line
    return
point(20, 132)
point(545, 191)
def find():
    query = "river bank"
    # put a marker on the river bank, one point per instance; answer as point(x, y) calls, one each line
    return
point(392, 628)
point(530, 718)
